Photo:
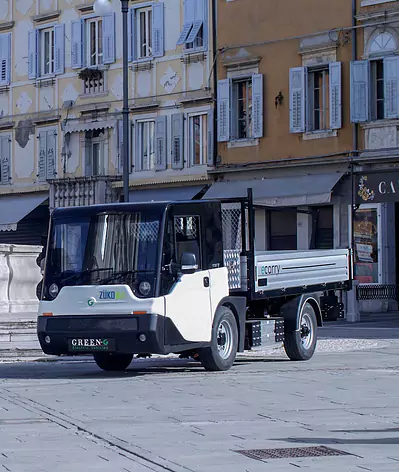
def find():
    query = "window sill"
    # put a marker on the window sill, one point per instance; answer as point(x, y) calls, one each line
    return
point(4, 88)
point(45, 81)
point(93, 95)
point(193, 55)
point(239, 143)
point(380, 123)
point(143, 64)
point(320, 134)
point(366, 3)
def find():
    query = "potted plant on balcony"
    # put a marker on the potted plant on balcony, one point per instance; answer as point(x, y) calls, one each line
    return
point(90, 74)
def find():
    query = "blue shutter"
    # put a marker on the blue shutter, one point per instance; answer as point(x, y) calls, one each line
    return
point(59, 49)
point(51, 153)
point(130, 29)
point(42, 156)
point(32, 54)
point(177, 140)
point(223, 107)
point(77, 38)
point(257, 106)
point(391, 86)
point(109, 38)
point(335, 95)
point(297, 99)
point(158, 41)
point(189, 18)
point(210, 134)
point(5, 161)
point(360, 79)
point(160, 143)
point(5, 58)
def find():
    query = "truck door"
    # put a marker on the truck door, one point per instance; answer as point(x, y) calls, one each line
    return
point(188, 301)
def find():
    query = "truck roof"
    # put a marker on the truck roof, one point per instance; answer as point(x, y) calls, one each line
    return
point(129, 206)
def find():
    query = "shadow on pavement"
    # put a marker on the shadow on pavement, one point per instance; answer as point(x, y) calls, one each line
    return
point(331, 441)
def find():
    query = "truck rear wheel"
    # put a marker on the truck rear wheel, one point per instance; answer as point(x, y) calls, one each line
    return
point(300, 345)
point(221, 354)
point(110, 361)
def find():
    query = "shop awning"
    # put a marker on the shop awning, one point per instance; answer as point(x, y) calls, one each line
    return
point(282, 191)
point(167, 194)
point(13, 208)
point(90, 126)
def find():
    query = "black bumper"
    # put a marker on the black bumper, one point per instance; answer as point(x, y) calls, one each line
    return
point(121, 332)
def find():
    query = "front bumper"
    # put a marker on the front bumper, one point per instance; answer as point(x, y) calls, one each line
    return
point(122, 331)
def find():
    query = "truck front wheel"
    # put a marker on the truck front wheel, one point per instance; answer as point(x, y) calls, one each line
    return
point(221, 354)
point(110, 361)
point(300, 345)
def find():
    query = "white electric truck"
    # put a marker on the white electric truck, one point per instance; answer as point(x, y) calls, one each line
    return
point(180, 277)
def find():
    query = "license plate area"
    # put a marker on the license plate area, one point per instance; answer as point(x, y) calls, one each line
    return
point(94, 344)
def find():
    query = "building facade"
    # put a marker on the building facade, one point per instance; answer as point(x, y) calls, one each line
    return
point(307, 100)
point(61, 102)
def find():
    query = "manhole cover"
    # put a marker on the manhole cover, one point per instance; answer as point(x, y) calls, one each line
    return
point(285, 453)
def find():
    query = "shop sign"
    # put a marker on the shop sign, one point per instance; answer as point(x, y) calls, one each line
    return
point(377, 188)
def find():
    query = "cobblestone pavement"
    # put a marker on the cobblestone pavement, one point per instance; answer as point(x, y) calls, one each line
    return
point(170, 415)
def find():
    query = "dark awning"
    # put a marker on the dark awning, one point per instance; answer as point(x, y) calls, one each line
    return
point(281, 191)
point(13, 208)
point(166, 194)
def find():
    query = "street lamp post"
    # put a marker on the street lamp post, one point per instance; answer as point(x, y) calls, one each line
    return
point(102, 7)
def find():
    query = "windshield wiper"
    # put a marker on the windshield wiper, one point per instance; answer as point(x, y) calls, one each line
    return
point(122, 273)
point(81, 273)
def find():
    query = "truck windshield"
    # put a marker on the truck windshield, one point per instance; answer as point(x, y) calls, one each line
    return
point(104, 249)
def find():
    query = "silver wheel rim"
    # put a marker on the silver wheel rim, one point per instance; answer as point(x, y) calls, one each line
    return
point(225, 339)
point(307, 333)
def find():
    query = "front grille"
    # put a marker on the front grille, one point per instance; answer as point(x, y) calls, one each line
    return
point(82, 324)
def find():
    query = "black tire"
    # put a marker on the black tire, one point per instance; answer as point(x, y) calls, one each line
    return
point(110, 361)
point(224, 329)
point(294, 345)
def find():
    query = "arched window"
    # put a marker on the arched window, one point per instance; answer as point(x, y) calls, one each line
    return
point(383, 43)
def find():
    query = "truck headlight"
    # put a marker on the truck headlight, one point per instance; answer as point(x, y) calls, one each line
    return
point(53, 290)
point(145, 288)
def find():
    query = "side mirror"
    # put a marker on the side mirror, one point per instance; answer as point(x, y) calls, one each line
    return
point(188, 263)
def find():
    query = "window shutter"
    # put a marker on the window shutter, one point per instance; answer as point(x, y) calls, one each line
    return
point(189, 18)
point(391, 85)
point(109, 38)
point(51, 152)
point(160, 143)
point(297, 99)
point(335, 95)
point(223, 106)
point(177, 141)
point(77, 44)
point(360, 79)
point(120, 145)
point(257, 106)
point(5, 159)
point(309, 115)
point(130, 29)
point(210, 134)
point(158, 49)
point(88, 158)
point(42, 156)
point(5, 58)
point(59, 49)
point(32, 54)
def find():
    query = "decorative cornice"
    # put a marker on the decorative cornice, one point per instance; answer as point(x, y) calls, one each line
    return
point(7, 125)
point(52, 15)
point(202, 98)
point(94, 108)
point(239, 62)
point(145, 106)
point(6, 25)
point(85, 8)
point(47, 119)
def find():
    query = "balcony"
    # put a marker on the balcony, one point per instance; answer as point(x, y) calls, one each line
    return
point(81, 191)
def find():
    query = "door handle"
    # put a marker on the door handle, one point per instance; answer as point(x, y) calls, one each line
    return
point(206, 282)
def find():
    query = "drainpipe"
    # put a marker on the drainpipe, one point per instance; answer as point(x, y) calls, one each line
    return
point(215, 78)
point(355, 127)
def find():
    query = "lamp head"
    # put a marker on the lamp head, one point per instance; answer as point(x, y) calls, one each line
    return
point(102, 7)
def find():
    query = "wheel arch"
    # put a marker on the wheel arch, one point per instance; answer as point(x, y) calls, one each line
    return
point(290, 311)
point(238, 305)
